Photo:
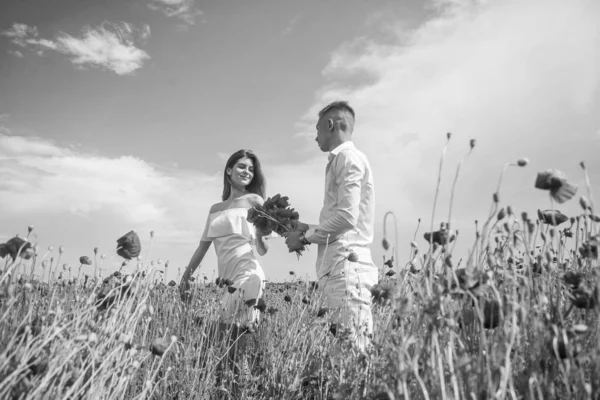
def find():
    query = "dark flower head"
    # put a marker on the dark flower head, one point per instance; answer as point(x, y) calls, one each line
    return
point(556, 182)
point(292, 273)
point(572, 278)
point(283, 202)
point(552, 217)
point(390, 273)
point(440, 237)
point(85, 260)
point(272, 311)
point(172, 283)
point(383, 292)
point(13, 246)
point(389, 263)
point(322, 312)
point(129, 246)
point(589, 249)
point(117, 274)
point(287, 298)
point(491, 314)
point(158, 347)
point(385, 244)
point(305, 300)
point(352, 257)
point(584, 298)
point(261, 305)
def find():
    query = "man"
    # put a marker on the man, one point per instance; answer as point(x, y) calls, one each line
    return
point(344, 235)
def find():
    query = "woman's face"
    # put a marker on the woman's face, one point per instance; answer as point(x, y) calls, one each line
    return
point(242, 172)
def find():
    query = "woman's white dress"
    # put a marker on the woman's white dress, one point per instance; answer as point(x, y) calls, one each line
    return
point(233, 236)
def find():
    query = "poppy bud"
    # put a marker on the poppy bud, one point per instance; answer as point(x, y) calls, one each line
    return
point(448, 135)
point(501, 214)
point(521, 162)
point(61, 249)
point(472, 143)
point(385, 244)
point(584, 203)
point(29, 228)
point(496, 197)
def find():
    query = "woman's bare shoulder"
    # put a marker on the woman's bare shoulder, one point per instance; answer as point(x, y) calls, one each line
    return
point(218, 207)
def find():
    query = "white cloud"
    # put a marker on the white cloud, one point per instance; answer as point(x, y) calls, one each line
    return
point(40, 177)
point(109, 46)
point(519, 76)
point(185, 10)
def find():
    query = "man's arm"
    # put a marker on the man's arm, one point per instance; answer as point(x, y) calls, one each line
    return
point(349, 173)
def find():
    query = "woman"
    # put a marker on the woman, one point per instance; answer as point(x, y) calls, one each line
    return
point(240, 275)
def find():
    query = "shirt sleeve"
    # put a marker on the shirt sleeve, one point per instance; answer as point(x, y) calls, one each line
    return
point(348, 175)
point(204, 237)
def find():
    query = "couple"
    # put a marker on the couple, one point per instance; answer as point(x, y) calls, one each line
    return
point(345, 226)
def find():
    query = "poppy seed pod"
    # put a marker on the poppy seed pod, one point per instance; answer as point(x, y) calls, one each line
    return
point(501, 214)
point(584, 203)
point(521, 162)
point(129, 246)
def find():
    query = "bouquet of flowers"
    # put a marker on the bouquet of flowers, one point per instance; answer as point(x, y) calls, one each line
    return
point(274, 215)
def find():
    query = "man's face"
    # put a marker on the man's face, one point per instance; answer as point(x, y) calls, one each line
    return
point(323, 134)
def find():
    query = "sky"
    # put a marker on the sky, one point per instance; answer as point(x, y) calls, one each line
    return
point(120, 115)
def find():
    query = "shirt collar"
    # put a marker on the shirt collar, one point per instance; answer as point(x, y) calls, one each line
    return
point(346, 145)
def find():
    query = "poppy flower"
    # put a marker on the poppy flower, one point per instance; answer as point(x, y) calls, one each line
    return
point(313, 285)
point(158, 347)
point(572, 279)
point(283, 202)
point(491, 314)
point(352, 257)
point(129, 246)
point(305, 300)
point(552, 217)
point(556, 182)
point(14, 246)
point(292, 273)
point(322, 312)
point(390, 273)
point(584, 298)
point(440, 237)
point(589, 248)
point(85, 260)
point(272, 311)
point(389, 263)
point(261, 305)
point(561, 346)
point(192, 279)
point(172, 283)
point(383, 292)
point(38, 364)
point(287, 298)
point(250, 303)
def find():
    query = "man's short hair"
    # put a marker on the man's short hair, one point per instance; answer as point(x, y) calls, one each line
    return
point(337, 106)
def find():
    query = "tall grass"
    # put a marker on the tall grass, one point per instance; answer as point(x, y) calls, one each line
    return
point(518, 321)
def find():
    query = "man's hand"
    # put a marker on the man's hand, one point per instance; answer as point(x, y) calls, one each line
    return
point(294, 240)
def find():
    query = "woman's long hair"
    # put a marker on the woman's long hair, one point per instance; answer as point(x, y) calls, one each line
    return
point(257, 185)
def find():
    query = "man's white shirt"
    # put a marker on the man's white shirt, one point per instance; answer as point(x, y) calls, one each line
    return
point(348, 213)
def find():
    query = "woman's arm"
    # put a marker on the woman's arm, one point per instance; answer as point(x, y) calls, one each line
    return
point(262, 245)
point(195, 261)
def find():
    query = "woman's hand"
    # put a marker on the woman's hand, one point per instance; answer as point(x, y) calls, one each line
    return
point(260, 232)
point(185, 289)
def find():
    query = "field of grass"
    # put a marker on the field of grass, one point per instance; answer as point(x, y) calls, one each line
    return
point(517, 320)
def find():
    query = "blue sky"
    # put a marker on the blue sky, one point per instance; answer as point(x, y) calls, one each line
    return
point(119, 115)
